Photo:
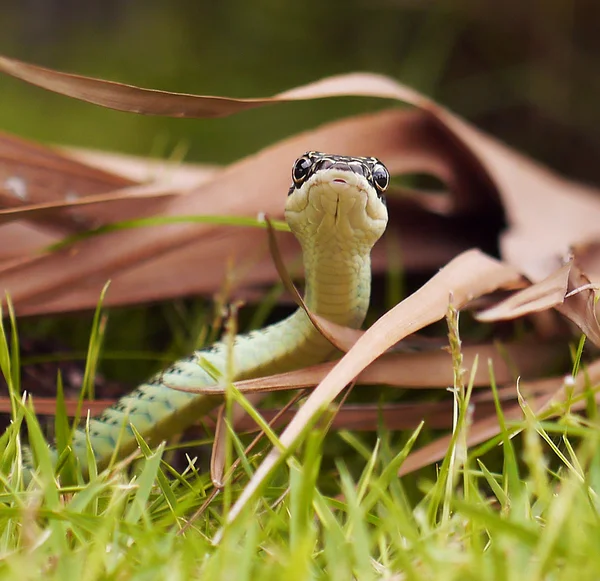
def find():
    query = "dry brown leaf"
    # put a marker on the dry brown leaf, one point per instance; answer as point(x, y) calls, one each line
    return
point(32, 174)
point(547, 214)
point(548, 392)
point(580, 304)
point(135, 201)
point(141, 169)
point(46, 406)
point(170, 275)
point(534, 198)
point(427, 369)
point(540, 296)
point(467, 276)
point(479, 432)
point(568, 290)
point(124, 97)
point(370, 417)
point(395, 136)
point(587, 258)
point(35, 181)
point(365, 417)
point(35, 174)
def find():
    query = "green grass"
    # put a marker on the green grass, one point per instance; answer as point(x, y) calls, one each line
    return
point(534, 516)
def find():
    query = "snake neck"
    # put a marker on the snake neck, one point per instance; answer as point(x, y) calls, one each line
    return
point(338, 280)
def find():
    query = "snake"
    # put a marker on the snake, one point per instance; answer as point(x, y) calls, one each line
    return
point(336, 208)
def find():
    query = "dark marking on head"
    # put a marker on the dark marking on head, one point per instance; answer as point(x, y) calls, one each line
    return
point(313, 162)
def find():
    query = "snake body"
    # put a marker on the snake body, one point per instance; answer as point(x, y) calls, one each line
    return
point(336, 209)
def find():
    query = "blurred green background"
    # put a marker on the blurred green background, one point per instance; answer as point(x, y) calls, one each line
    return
point(526, 71)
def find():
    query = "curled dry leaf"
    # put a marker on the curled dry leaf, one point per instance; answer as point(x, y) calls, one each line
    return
point(579, 305)
point(36, 175)
point(546, 213)
point(135, 201)
point(567, 289)
point(533, 243)
point(139, 169)
point(133, 99)
point(549, 394)
point(587, 258)
point(45, 195)
point(369, 417)
point(481, 160)
point(434, 135)
point(479, 432)
point(47, 406)
point(154, 262)
point(540, 296)
point(427, 369)
point(467, 276)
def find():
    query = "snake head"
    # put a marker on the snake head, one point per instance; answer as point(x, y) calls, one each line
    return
point(337, 197)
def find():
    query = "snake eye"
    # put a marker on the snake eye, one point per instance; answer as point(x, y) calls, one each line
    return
point(301, 169)
point(381, 177)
